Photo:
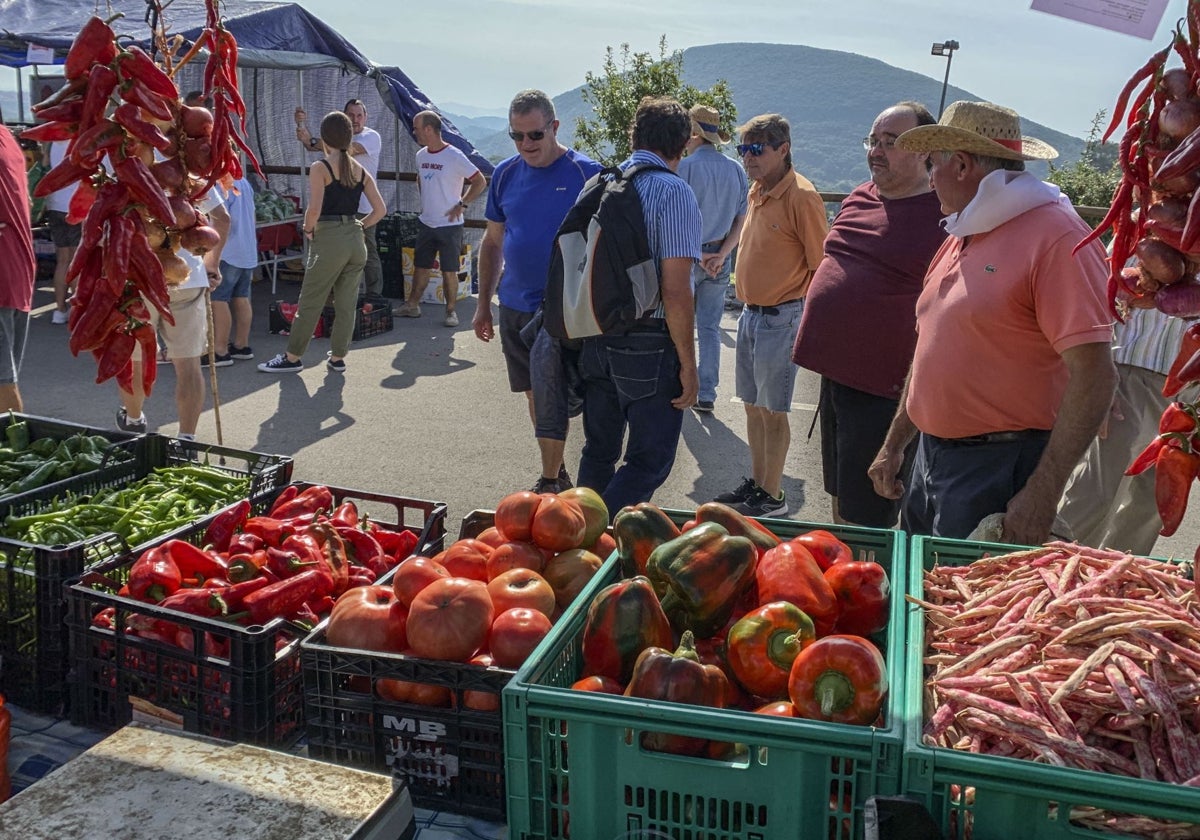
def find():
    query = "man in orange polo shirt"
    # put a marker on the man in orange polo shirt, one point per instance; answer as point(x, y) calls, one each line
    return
point(1012, 374)
point(780, 247)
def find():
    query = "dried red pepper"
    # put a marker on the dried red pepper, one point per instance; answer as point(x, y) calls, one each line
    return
point(1175, 470)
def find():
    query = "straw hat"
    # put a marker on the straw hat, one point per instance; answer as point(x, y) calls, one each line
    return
point(980, 128)
point(707, 123)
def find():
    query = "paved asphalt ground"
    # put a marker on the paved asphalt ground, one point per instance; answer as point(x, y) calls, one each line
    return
point(424, 412)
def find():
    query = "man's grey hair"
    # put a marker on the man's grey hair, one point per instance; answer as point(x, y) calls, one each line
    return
point(531, 100)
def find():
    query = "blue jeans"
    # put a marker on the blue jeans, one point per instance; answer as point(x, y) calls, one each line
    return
point(629, 382)
point(710, 306)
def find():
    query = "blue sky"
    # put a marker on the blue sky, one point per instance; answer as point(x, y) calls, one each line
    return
point(480, 52)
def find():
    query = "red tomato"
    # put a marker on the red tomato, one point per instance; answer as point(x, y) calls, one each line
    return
point(825, 548)
point(515, 555)
point(482, 701)
point(421, 694)
point(604, 685)
point(414, 574)
point(604, 546)
point(522, 588)
point(558, 523)
point(492, 536)
point(595, 512)
point(368, 618)
point(514, 515)
point(467, 558)
point(568, 572)
point(515, 633)
point(450, 619)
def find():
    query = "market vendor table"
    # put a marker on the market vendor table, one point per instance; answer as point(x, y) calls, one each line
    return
point(143, 783)
point(273, 238)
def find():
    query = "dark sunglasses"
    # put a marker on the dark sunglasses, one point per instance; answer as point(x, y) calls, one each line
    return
point(519, 136)
point(754, 149)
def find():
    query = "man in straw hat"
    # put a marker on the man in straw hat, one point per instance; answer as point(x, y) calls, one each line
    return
point(876, 256)
point(720, 186)
point(1012, 373)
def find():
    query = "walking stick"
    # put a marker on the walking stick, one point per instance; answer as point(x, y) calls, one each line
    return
point(212, 365)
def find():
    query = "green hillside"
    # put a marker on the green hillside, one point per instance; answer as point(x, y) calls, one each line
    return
point(830, 98)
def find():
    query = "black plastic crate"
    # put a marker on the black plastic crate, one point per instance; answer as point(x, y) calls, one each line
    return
point(451, 758)
point(127, 450)
point(398, 229)
point(33, 636)
point(366, 324)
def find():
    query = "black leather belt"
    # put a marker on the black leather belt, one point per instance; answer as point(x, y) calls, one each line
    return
point(337, 218)
point(997, 437)
point(649, 324)
point(771, 310)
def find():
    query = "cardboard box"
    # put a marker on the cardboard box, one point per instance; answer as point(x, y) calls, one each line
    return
point(434, 292)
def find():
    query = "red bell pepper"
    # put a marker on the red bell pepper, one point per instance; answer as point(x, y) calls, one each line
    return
point(738, 525)
point(225, 524)
point(699, 577)
point(154, 576)
point(789, 573)
point(825, 548)
point(841, 679)
point(761, 646)
point(863, 594)
point(624, 619)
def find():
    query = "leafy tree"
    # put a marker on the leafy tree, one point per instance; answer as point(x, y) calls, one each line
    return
point(614, 95)
point(1091, 180)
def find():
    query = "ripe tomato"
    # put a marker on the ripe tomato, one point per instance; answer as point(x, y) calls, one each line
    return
point(558, 523)
point(450, 619)
point(522, 588)
point(825, 548)
point(421, 694)
point(515, 555)
point(413, 575)
point(604, 685)
point(595, 512)
point(368, 618)
point(492, 536)
point(514, 515)
point(603, 546)
point(515, 633)
point(467, 558)
point(568, 572)
point(481, 701)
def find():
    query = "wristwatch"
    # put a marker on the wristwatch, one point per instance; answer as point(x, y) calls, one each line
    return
point(463, 205)
point(312, 142)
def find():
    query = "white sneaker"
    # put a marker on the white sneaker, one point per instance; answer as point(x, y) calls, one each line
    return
point(59, 317)
point(451, 320)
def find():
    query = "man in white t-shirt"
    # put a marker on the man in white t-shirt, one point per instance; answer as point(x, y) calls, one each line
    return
point(365, 149)
point(442, 171)
point(64, 236)
point(187, 339)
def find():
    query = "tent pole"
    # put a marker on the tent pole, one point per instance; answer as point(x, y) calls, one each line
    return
point(20, 97)
point(396, 172)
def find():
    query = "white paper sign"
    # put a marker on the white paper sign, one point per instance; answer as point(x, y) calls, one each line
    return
point(35, 54)
point(1133, 17)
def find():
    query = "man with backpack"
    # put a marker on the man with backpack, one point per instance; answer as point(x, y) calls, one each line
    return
point(638, 366)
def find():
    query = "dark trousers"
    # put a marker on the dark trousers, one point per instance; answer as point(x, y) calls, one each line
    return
point(954, 484)
point(373, 270)
point(629, 382)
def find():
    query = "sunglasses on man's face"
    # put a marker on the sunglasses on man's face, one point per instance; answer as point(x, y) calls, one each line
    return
point(519, 136)
point(753, 149)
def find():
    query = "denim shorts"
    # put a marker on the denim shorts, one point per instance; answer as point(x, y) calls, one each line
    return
point(62, 234)
point(765, 375)
point(235, 282)
point(14, 327)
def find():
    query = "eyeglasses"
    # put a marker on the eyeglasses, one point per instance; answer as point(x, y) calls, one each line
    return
point(519, 136)
point(870, 143)
point(753, 149)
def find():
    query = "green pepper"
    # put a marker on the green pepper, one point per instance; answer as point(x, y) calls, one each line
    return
point(44, 446)
point(700, 575)
point(17, 433)
point(42, 475)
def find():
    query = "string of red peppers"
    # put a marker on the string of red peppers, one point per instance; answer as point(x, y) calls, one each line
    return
point(140, 159)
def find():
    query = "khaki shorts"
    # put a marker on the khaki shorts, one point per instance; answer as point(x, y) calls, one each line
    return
point(188, 337)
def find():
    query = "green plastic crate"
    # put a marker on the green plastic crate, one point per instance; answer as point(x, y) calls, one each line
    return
point(1011, 798)
point(575, 766)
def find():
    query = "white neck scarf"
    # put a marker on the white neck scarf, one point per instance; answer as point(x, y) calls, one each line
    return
point(1002, 195)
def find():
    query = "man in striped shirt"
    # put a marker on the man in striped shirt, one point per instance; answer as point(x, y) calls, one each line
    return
point(645, 380)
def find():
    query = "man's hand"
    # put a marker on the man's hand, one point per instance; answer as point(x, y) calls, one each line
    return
point(301, 117)
point(689, 381)
point(482, 322)
point(1029, 517)
point(454, 214)
point(712, 264)
point(884, 472)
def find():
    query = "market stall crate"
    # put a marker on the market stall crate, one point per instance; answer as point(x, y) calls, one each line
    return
point(574, 758)
point(225, 680)
point(988, 797)
point(33, 636)
point(372, 317)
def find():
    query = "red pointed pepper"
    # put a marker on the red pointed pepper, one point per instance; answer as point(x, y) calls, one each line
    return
point(154, 576)
point(225, 524)
point(193, 562)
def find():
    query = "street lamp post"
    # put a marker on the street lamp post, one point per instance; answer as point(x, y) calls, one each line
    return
point(947, 49)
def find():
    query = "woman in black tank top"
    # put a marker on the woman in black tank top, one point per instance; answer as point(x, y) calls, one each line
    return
point(336, 249)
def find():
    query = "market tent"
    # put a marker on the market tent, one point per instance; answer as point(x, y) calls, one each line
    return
point(288, 58)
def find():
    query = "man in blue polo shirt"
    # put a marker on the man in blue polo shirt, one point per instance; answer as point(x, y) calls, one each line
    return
point(529, 196)
point(644, 380)
point(720, 185)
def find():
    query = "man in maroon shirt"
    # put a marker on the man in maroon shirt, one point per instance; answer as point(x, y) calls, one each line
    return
point(858, 328)
point(19, 266)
